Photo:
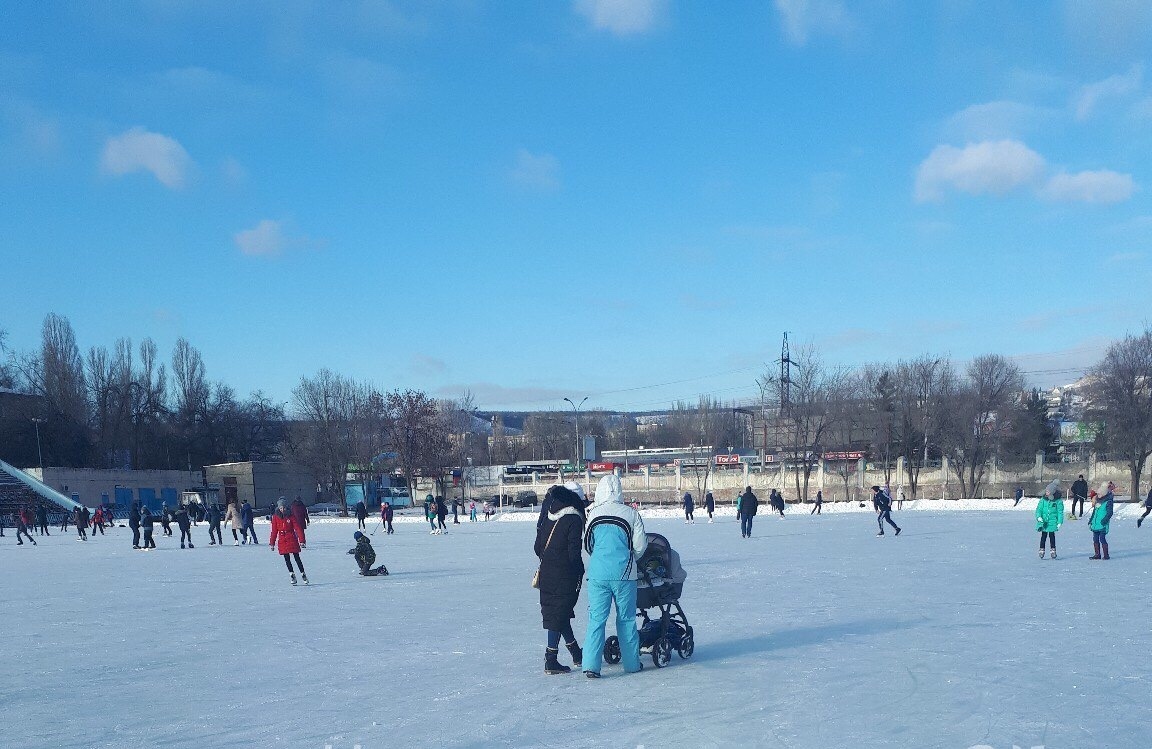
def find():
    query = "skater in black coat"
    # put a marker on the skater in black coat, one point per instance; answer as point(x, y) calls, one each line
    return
point(42, 520)
point(134, 524)
point(709, 505)
point(1079, 494)
point(146, 523)
point(166, 520)
point(214, 517)
point(184, 523)
point(441, 514)
point(361, 514)
point(689, 507)
point(748, 504)
point(559, 539)
point(819, 502)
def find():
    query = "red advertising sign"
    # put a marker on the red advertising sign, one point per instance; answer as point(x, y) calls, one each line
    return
point(727, 460)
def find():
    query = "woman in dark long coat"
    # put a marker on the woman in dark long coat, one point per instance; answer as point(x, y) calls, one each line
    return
point(559, 539)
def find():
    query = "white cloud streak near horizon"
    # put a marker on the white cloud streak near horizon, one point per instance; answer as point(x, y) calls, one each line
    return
point(141, 150)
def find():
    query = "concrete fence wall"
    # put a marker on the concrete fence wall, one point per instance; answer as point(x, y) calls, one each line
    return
point(938, 482)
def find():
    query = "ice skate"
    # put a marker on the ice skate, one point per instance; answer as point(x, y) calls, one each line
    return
point(881, 533)
point(190, 546)
point(293, 576)
point(1053, 553)
point(304, 577)
point(1042, 553)
point(898, 531)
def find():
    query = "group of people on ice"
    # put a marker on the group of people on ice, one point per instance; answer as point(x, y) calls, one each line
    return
point(1050, 514)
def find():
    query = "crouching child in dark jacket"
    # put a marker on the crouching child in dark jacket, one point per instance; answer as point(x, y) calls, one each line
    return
point(365, 555)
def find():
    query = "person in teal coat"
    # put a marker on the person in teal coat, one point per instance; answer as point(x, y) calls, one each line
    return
point(1100, 519)
point(1049, 516)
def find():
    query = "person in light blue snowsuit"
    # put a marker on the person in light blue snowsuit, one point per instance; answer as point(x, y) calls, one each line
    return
point(614, 540)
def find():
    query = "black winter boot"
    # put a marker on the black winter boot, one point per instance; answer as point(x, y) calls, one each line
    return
point(577, 654)
point(551, 665)
point(1104, 548)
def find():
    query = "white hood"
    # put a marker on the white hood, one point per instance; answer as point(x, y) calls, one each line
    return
point(609, 490)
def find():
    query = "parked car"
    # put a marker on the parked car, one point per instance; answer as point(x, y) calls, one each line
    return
point(526, 498)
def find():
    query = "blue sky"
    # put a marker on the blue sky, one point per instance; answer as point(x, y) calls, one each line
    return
point(624, 199)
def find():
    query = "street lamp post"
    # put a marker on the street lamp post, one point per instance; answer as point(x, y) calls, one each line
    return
point(576, 410)
point(39, 453)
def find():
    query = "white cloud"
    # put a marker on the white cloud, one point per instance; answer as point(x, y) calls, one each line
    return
point(1102, 186)
point(267, 238)
point(621, 17)
point(995, 167)
point(995, 120)
point(1116, 86)
point(536, 171)
point(140, 150)
point(804, 18)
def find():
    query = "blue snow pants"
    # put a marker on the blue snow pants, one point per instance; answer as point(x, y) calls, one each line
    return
point(601, 594)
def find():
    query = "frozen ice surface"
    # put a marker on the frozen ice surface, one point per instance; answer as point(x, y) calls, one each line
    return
point(814, 633)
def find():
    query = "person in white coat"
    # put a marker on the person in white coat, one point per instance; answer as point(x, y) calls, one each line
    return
point(614, 539)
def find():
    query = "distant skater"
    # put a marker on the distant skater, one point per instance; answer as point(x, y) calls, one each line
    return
point(232, 517)
point(184, 523)
point(78, 517)
point(441, 515)
point(214, 517)
point(300, 515)
point(42, 520)
point(456, 505)
point(746, 505)
point(709, 505)
point(388, 510)
point(23, 518)
point(1147, 508)
point(472, 511)
point(819, 502)
point(689, 506)
point(361, 515)
point(166, 519)
point(1079, 495)
point(247, 522)
point(285, 540)
point(134, 523)
point(1050, 515)
point(98, 521)
point(777, 501)
point(883, 504)
point(146, 524)
point(1019, 495)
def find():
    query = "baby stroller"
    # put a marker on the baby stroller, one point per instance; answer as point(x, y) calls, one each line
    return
point(660, 583)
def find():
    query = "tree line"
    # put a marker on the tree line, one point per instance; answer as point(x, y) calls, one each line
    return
point(126, 406)
point(925, 409)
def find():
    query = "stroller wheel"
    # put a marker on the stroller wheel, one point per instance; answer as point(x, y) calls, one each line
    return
point(661, 652)
point(687, 644)
point(612, 650)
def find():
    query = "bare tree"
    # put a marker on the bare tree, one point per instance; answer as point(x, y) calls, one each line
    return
point(321, 437)
point(919, 401)
point(56, 374)
point(1121, 397)
point(849, 426)
point(416, 433)
point(984, 412)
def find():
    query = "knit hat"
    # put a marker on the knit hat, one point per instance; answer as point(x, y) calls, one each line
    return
point(357, 535)
point(1105, 488)
point(282, 503)
point(574, 486)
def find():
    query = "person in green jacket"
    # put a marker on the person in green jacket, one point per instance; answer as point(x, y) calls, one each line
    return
point(1049, 515)
point(1100, 518)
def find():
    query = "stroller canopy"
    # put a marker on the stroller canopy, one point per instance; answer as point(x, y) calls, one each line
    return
point(660, 562)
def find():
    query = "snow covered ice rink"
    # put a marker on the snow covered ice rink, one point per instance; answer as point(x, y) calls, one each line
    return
point(814, 633)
